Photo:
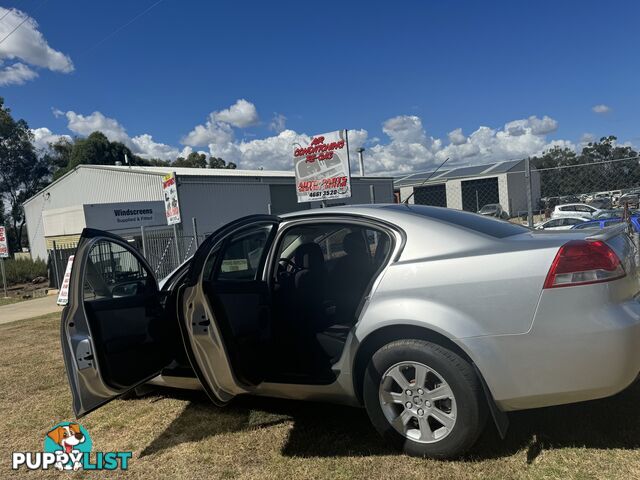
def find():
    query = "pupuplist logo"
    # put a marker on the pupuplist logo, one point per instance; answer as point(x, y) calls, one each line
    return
point(67, 446)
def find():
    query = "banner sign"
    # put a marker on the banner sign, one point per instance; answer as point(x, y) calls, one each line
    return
point(322, 168)
point(171, 205)
point(4, 245)
point(118, 216)
point(63, 294)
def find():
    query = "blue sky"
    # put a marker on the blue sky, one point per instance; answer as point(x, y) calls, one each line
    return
point(403, 75)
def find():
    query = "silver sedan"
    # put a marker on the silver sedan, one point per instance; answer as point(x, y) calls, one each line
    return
point(432, 319)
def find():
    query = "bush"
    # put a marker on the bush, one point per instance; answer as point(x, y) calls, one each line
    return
point(24, 270)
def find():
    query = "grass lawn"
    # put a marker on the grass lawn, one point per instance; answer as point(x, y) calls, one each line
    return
point(181, 435)
point(9, 300)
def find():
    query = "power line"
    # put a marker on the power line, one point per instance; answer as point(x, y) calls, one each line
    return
point(26, 17)
point(8, 12)
point(147, 10)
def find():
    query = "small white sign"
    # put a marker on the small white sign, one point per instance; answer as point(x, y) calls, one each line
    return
point(171, 205)
point(63, 294)
point(322, 168)
point(4, 245)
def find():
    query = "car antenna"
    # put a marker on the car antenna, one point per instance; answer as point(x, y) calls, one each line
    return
point(406, 202)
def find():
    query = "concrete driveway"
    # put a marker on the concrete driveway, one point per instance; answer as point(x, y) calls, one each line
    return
point(29, 309)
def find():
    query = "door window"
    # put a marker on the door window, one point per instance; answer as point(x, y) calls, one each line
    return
point(571, 221)
point(242, 255)
point(112, 271)
point(553, 223)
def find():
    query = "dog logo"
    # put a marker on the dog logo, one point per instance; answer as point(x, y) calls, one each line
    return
point(68, 447)
point(71, 439)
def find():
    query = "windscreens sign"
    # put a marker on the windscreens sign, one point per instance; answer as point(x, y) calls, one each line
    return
point(4, 245)
point(119, 216)
point(322, 168)
point(170, 193)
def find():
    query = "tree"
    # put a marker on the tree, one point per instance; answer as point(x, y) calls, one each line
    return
point(199, 160)
point(215, 162)
point(22, 172)
point(96, 149)
point(193, 160)
point(603, 166)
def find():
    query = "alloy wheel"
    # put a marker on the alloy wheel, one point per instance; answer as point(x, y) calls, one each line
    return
point(417, 401)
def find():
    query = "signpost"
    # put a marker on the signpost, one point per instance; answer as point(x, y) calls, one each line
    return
point(63, 294)
point(172, 206)
point(322, 168)
point(4, 253)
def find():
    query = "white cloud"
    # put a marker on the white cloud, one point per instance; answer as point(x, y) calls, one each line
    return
point(457, 137)
point(532, 125)
point(142, 145)
point(86, 124)
point(601, 108)
point(407, 148)
point(42, 137)
point(28, 48)
point(16, 74)
point(278, 123)
point(241, 114)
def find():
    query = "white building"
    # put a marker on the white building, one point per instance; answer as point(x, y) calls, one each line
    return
point(470, 188)
point(122, 199)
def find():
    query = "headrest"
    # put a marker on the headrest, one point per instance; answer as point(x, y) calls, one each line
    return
point(309, 256)
point(354, 244)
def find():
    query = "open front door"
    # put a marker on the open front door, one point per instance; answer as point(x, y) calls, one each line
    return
point(114, 331)
point(226, 307)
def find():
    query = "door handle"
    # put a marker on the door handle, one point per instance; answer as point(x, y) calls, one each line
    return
point(84, 354)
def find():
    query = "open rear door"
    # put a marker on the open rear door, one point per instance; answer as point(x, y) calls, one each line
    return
point(115, 333)
point(225, 307)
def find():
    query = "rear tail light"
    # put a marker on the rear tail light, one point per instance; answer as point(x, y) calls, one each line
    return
point(580, 262)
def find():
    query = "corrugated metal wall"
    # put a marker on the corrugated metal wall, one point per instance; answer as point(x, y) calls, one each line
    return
point(214, 201)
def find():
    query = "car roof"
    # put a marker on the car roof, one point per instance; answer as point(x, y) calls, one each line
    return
point(574, 204)
point(576, 217)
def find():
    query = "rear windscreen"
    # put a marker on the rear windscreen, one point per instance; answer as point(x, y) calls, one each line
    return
point(479, 223)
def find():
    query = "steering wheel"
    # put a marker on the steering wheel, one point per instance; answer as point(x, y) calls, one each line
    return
point(290, 267)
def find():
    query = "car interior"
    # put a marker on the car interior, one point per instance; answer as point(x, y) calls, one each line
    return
point(293, 327)
point(320, 281)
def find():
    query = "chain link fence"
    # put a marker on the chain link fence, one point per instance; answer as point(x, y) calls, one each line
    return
point(164, 249)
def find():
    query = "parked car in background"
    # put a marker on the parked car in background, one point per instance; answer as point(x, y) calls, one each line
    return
point(560, 223)
point(569, 199)
point(494, 210)
point(610, 213)
point(630, 199)
point(575, 210)
point(608, 222)
point(352, 305)
point(601, 203)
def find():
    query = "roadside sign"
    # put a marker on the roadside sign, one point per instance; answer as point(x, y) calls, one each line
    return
point(322, 168)
point(171, 204)
point(4, 245)
point(63, 294)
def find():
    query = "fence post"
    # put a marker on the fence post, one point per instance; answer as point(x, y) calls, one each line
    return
point(144, 242)
point(175, 237)
point(55, 264)
point(527, 178)
point(4, 278)
point(372, 193)
point(195, 231)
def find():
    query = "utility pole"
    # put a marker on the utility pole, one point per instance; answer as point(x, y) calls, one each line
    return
point(527, 179)
point(361, 160)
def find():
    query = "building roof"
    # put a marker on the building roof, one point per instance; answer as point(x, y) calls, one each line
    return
point(198, 172)
point(467, 171)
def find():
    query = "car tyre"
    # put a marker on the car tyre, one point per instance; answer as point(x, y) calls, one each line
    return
point(439, 416)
